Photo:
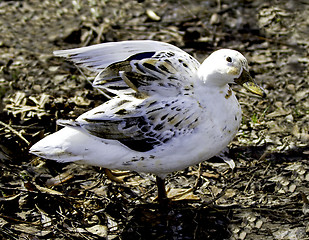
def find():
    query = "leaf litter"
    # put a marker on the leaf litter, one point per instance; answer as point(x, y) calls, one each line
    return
point(264, 196)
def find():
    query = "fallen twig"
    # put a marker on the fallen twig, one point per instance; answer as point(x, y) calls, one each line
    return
point(15, 132)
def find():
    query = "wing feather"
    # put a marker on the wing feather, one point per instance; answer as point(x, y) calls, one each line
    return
point(151, 82)
point(99, 56)
point(164, 73)
point(143, 128)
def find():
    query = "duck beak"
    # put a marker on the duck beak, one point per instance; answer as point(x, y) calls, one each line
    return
point(248, 83)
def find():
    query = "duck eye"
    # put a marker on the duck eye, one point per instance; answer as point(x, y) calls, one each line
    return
point(229, 59)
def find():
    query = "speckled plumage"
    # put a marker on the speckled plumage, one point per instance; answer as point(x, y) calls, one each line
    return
point(167, 111)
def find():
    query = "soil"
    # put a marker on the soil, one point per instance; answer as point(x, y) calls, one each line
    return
point(264, 196)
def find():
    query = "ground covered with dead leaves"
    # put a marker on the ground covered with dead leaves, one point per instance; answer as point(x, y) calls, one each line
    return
point(264, 197)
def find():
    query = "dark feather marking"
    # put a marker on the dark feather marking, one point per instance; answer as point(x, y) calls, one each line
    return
point(79, 63)
point(137, 65)
point(163, 117)
point(121, 112)
point(120, 103)
point(171, 118)
point(117, 87)
point(140, 56)
point(163, 68)
point(170, 54)
point(183, 63)
point(189, 116)
point(73, 55)
point(152, 103)
point(176, 108)
point(131, 122)
point(145, 129)
point(159, 127)
point(189, 126)
point(144, 145)
point(168, 61)
point(99, 112)
point(138, 79)
point(151, 67)
point(177, 124)
point(113, 69)
point(153, 110)
point(171, 85)
point(101, 68)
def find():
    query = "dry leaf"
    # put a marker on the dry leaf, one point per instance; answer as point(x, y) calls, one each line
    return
point(99, 230)
point(181, 194)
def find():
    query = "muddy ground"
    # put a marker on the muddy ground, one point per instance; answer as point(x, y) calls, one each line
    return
point(264, 197)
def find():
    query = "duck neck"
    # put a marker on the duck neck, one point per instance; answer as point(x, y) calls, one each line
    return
point(209, 92)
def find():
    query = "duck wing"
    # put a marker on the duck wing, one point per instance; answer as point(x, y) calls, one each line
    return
point(153, 87)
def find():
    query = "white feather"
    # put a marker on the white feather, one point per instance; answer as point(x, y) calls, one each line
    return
point(98, 57)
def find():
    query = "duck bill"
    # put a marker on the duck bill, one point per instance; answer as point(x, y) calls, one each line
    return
point(248, 83)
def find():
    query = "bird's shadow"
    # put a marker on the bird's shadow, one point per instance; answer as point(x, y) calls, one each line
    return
point(187, 220)
point(178, 220)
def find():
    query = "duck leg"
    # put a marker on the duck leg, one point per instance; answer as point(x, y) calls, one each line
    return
point(162, 196)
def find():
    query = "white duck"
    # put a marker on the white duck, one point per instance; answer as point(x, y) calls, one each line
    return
point(167, 112)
